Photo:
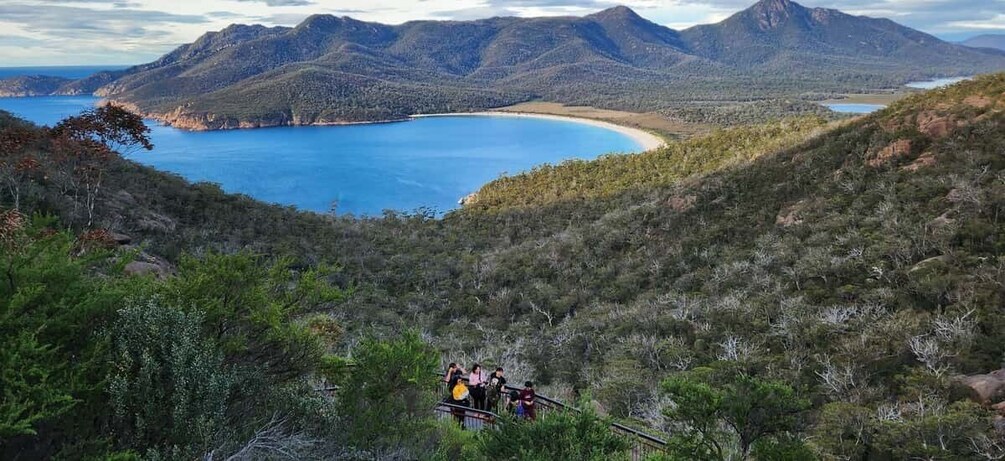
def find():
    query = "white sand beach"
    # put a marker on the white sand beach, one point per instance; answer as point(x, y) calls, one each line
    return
point(648, 141)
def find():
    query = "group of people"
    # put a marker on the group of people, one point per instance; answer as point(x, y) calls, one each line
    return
point(486, 392)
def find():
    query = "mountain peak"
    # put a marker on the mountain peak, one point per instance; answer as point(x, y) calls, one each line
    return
point(776, 5)
point(771, 13)
point(618, 12)
point(325, 21)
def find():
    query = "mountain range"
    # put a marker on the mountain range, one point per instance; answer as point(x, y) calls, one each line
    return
point(331, 70)
point(996, 41)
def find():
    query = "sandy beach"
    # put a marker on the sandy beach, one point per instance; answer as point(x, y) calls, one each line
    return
point(648, 141)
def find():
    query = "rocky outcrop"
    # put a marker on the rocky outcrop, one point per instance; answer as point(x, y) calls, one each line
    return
point(988, 389)
point(926, 159)
point(935, 125)
point(791, 215)
point(898, 148)
point(120, 239)
point(469, 199)
point(149, 265)
point(140, 268)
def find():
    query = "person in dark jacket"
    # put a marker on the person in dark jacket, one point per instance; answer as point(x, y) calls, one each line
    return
point(513, 402)
point(494, 389)
point(527, 396)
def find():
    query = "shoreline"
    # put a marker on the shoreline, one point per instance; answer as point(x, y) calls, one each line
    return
point(646, 141)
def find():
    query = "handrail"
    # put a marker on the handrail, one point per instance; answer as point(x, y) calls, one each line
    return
point(618, 427)
point(485, 413)
point(640, 434)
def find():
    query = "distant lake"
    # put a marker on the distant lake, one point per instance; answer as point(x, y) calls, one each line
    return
point(854, 108)
point(869, 108)
point(429, 162)
point(935, 83)
point(63, 71)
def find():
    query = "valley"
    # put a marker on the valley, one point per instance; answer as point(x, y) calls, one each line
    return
point(665, 228)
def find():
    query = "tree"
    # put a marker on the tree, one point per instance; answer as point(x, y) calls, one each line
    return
point(387, 398)
point(712, 406)
point(555, 435)
point(83, 146)
point(18, 164)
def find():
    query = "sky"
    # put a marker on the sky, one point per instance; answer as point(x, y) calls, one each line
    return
point(118, 32)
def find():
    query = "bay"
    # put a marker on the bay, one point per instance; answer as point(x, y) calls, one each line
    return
point(360, 169)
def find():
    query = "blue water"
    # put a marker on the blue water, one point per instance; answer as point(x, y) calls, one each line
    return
point(854, 108)
point(935, 83)
point(64, 71)
point(365, 169)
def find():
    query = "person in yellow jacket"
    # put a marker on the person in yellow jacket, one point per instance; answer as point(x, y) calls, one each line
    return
point(460, 393)
point(459, 396)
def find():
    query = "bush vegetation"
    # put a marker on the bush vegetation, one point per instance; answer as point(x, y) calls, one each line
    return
point(813, 301)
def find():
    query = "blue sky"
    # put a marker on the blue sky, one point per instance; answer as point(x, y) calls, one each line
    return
point(98, 32)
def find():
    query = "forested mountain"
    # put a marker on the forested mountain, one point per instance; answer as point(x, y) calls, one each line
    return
point(996, 41)
point(337, 69)
point(785, 36)
point(835, 283)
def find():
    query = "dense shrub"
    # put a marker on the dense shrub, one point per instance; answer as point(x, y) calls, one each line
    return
point(168, 387)
point(555, 435)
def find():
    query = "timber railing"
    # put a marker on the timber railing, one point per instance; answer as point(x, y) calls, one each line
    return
point(642, 444)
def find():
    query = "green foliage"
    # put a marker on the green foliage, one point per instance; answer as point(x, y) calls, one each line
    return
point(251, 307)
point(555, 435)
point(168, 387)
point(50, 311)
point(613, 174)
point(862, 275)
point(28, 394)
point(923, 429)
point(453, 443)
point(753, 409)
point(387, 398)
point(786, 448)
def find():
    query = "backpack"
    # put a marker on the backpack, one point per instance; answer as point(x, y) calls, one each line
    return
point(494, 389)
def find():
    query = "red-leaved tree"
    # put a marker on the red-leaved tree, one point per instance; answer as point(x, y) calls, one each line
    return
point(18, 160)
point(82, 147)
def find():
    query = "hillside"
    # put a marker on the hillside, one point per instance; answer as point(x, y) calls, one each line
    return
point(31, 86)
point(856, 268)
point(996, 41)
point(337, 69)
point(785, 36)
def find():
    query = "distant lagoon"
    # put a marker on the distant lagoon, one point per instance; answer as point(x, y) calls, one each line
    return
point(360, 169)
point(936, 83)
point(847, 108)
point(854, 108)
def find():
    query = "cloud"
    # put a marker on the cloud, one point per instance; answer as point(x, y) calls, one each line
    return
point(280, 2)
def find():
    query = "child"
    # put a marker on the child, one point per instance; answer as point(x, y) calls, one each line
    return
point(513, 402)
